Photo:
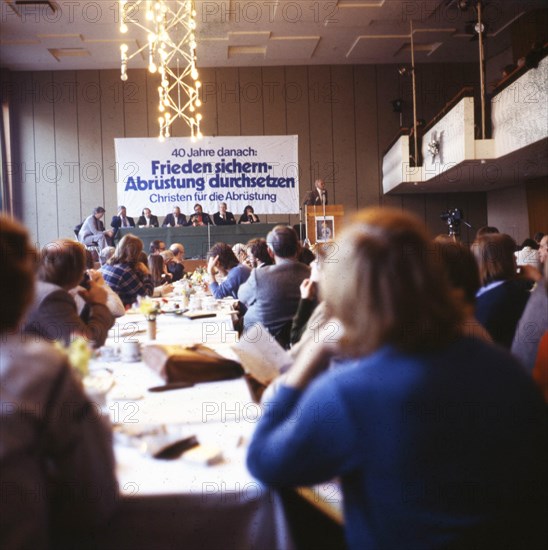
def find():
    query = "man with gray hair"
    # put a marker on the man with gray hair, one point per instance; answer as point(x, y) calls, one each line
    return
point(93, 232)
point(272, 294)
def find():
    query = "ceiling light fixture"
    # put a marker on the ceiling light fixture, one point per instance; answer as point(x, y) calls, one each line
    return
point(171, 45)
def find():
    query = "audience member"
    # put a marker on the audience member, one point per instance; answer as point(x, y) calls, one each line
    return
point(249, 216)
point(464, 281)
point(56, 460)
point(174, 268)
point(528, 255)
point(240, 252)
point(257, 253)
point(306, 256)
point(272, 294)
point(502, 298)
point(222, 259)
point(486, 230)
point(121, 220)
point(158, 271)
point(223, 217)
point(316, 196)
point(125, 273)
point(543, 250)
point(53, 315)
point(199, 217)
point(93, 233)
point(106, 254)
point(178, 252)
point(156, 247)
point(147, 219)
point(538, 237)
point(307, 304)
point(532, 327)
point(175, 219)
point(114, 303)
point(401, 392)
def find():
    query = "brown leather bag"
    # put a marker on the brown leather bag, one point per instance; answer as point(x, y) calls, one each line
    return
point(192, 364)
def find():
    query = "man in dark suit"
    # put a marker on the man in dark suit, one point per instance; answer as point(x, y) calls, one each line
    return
point(199, 217)
point(175, 219)
point(148, 219)
point(223, 217)
point(121, 220)
point(317, 196)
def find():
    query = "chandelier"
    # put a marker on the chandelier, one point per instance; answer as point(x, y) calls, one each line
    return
point(171, 47)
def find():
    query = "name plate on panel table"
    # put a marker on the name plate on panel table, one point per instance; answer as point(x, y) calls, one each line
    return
point(259, 170)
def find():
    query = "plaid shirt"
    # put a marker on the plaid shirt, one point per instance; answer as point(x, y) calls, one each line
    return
point(127, 282)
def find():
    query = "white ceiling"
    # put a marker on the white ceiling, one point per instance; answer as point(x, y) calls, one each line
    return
point(85, 34)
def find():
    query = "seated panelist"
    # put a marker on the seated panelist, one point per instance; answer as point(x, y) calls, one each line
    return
point(199, 217)
point(147, 219)
point(121, 220)
point(93, 232)
point(249, 216)
point(223, 217)
point(175, 219)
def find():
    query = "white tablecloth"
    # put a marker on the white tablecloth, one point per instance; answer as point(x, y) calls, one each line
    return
point(174, 503)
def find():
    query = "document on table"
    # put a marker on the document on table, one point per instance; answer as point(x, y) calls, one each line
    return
point(261, 355)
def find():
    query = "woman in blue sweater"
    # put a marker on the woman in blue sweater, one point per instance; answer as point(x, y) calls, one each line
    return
point(222, 260)
point(439, 439)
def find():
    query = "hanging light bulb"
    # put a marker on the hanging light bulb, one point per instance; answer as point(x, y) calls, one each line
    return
point(171, 42)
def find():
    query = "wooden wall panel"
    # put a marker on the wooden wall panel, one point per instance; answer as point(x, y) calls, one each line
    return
point(537, 205)
point(507, 210)
point(90, 151)
point(344, 138)
point(112, 126)
point(65, 110)
point(320, 104)
point(298, 121)
point(251, 101)
point(25, 178)
point(388, 89)
point(367, 144)
point(44, 145)
point(228, 102)
point(274, 101)
point(210, 126)
point(134, 97)
point(153, 113)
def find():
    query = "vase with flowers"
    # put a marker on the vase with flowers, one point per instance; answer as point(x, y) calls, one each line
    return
point(149, 308)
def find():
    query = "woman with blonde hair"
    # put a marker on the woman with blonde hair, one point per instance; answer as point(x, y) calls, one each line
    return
point(438, 438)
point(125, 273)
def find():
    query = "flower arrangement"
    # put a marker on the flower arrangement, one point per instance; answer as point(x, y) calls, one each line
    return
point(149, 308)
point(78, 353)
point(199, 276)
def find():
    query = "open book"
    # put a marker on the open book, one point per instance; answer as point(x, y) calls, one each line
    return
point(261, 355)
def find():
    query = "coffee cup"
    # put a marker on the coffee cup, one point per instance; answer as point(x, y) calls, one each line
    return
point(130, 352)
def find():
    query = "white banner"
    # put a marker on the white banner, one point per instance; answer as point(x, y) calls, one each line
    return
point(258, 170)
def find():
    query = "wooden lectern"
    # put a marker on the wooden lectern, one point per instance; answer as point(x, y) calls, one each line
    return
point(323, 223)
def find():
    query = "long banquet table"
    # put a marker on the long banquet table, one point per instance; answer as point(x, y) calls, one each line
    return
point(197, 240)
point(174, 503)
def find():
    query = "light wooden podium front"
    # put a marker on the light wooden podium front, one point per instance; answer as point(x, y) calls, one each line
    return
point(323, 223)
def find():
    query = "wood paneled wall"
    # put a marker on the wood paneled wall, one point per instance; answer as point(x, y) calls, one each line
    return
point(64, 124)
